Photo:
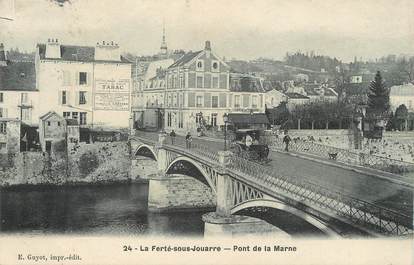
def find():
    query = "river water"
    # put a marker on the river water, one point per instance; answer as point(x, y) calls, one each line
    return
point(118, 209)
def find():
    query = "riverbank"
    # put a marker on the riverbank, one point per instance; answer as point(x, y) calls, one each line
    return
point(102, 162)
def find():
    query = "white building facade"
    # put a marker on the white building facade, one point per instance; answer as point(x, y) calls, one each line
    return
point(89, 84)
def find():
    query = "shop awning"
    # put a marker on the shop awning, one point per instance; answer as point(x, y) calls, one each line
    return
point(246, 118)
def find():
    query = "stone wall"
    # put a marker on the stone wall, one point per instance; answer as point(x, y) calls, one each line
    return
point(337, 138)
point(89, 163)
point(178, 192)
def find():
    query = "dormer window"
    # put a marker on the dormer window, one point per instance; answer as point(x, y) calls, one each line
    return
point(200, 65)
point(215, 66)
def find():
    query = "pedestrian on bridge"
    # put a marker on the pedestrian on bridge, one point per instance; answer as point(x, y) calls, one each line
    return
point(188, 140)
point(286, 141)
point(172, 135)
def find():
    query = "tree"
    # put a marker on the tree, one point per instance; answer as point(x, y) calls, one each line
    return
point(378, 99)
point(401, 115)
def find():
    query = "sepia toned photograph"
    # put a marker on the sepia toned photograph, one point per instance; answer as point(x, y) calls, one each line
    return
point(206, 121)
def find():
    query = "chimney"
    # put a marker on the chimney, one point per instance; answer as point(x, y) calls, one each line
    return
point(208, 46)
point(2, 55)
point(107, 51)
point(53, 49)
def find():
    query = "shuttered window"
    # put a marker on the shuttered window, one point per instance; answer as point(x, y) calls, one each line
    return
point(245, 101)
point(222, 100)
point(191, 99)
point(207, 100)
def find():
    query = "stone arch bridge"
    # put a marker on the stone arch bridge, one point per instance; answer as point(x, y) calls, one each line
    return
point(240, 186)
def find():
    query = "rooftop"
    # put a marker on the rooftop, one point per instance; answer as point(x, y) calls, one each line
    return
point(18, 76)
point(75, 53)
point(185, 59)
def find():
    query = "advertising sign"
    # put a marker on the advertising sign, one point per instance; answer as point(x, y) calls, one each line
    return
point(112, 95)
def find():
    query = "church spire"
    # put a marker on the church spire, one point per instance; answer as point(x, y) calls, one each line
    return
point(163, 49)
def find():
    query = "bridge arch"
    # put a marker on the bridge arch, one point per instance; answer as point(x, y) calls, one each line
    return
point(206, 178)
point(147, 151)
point(283, 207)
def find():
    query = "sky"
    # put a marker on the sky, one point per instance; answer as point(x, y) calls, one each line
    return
point(242, 29)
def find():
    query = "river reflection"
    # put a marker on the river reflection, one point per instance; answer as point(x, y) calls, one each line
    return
point(90, 209)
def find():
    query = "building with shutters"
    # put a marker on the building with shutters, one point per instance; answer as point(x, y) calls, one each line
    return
point(196, 90)
point(88, 84)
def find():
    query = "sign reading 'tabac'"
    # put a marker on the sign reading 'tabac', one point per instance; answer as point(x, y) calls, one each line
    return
point(112, 95)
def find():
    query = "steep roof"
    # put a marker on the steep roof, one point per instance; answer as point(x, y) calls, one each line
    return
point(245, 84)
point(18, 76)
point(185, 59)
point(76, 53)
point(50, 114)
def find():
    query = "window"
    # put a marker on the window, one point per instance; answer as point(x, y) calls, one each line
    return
point(3, 127)
point(82, 97)
point(215, 82)
point(254, 101)
point(26, 114)
point(169, 119)
point(74, 115)
point(58, 123)
point(48, 123)
point(215, 66)
point(64, 97)
point(83, 78)
point(66, 114)
point(214, 119)
point(199, 82)
point(23, 97)
point(199, 65)
point(237, 101)
point(214, 101)
point(180, 120)
point(82, 118)
point(3, 146)
point(199, 100)
point(2, 113)
point(181, 81)
point(1, 97)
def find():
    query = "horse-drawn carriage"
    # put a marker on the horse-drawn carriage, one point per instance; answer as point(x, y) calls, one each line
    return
point(250, 144)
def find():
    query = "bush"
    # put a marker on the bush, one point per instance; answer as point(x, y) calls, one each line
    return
point(88, 162)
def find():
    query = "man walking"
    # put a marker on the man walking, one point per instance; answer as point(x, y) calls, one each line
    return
point(188, 140)
point(286, 140)
point(172, 135)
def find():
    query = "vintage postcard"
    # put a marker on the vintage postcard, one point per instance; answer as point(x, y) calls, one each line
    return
point(206, 132)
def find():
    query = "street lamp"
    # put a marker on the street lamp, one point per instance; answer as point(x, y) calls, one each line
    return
point(225, 119)
point(251, 118)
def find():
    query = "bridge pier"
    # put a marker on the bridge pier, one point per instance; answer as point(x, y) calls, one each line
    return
point(175, 192)
point(222, 222)
point(178, 192)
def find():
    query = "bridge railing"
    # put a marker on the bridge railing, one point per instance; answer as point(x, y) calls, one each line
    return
point(366, 214)
point(180, 142)
point(346, 156)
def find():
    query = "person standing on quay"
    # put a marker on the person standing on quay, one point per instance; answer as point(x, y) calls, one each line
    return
point(172, 135)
